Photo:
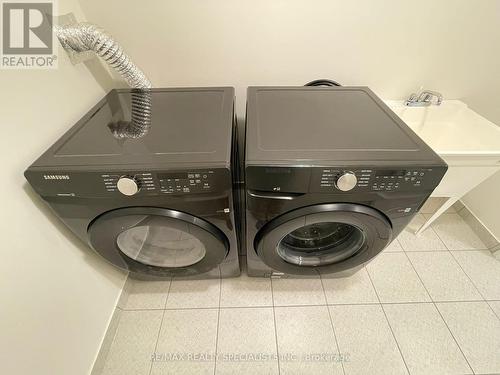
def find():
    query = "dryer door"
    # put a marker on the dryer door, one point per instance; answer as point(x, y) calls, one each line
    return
point(158, 241)
point(324, 238)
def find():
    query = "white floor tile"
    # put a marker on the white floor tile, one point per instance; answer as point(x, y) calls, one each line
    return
point(363, 332)
point(186, 344)
point(193, 294)
point(425, 342)
point(244, 291)
point(395, 279)
point(483, 269)
point(134, 343)
point(443, 277)
point(393, 246)
point(354, 289)
point(146, 294)
point(246, 342)
point(428, 240)
point(455, 233)
point(302, 332)
point(477, 330)
point(304, 291)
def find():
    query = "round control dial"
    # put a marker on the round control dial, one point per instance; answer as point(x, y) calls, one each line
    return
point(347, 181)
point(128, 185)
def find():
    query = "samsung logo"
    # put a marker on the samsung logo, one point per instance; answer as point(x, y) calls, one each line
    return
point(56, 177)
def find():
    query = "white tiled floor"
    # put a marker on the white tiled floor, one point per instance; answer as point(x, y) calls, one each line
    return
point(429, 304)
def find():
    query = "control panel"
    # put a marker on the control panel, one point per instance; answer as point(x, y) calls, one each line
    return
point(124, 182)
point(342, 179)
point(371, 179)
point(195, 181)
point(129, 183)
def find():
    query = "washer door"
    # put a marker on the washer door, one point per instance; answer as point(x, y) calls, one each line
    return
point(158, 241)
point(324, 238)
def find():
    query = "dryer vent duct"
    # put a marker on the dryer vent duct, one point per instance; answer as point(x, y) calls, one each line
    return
point(84, 37)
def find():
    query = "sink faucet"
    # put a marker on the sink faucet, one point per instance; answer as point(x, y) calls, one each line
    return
point(424, 99)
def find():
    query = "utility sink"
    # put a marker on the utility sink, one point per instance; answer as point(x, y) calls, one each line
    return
point(468, 142)
point(452, 129)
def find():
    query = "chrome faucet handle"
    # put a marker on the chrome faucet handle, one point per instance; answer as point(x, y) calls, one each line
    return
point(427, 95)
point(412, 98)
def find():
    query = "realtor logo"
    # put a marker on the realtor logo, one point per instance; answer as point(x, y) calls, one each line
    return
point(27, 35)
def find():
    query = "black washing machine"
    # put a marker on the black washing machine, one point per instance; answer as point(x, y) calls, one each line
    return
point(332, 177)
point(156, 205)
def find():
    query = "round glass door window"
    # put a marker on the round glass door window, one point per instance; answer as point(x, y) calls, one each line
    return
point(321, 244)
point(161, 246)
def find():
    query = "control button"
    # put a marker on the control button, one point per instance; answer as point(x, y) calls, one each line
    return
point(347, 181)
point(127, 185)
point(205, 176)
point(190, 175)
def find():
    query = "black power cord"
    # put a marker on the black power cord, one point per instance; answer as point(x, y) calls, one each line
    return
point(323, 82)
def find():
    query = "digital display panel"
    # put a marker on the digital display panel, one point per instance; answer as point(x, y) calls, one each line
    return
point(390, 172)
point(173, 176)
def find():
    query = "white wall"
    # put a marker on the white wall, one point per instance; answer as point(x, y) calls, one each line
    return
point(393, 46)
point(56, 297)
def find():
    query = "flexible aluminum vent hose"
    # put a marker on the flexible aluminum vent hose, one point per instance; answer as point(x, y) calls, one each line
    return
point(84, 37)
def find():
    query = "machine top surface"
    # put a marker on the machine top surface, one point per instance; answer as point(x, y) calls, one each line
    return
point(328, 125)
point(189, 126)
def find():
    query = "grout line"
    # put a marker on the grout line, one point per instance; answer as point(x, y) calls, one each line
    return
point(441, 315)
point(459, 250)
point(275, 327)
point(399, 243)
point(480, 293)
point(468, 276)
point(444, 243)
point(161, 325)
point(218, 322)
point(454, 338)
point(319, 304)
point(332, 325)
point(438, 236)
point(157, 340)
point(388, 323)
point(494, 312)
point(168, 293)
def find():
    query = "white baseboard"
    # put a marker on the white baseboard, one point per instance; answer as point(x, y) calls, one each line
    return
point(491, 242)
point(98, 367)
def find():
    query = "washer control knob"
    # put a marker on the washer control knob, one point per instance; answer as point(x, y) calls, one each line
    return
point(347, 181)
point(127, 185)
